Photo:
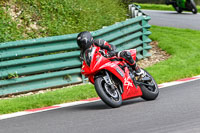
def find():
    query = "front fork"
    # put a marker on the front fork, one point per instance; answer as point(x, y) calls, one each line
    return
point(110, 82)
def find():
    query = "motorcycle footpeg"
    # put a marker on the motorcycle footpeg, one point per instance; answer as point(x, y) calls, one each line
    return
point(146, 79)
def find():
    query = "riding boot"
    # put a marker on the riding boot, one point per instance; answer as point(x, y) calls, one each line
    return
point(140, 72)
point(126, 56)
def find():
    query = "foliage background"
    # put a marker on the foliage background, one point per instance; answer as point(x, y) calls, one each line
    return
point(156, 1)
point(27, 19)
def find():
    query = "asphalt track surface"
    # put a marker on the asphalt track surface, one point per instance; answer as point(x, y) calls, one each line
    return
point(177, 110)
point(186, 20)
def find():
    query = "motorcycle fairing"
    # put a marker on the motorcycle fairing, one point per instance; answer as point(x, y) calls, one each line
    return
point(130, 90)
point(181, 3)
point(99, 62)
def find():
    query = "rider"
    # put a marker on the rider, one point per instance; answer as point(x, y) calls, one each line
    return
point(85, 41)
point(171, 1)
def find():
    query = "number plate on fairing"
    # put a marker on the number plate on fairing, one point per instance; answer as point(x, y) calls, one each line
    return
point(120, 72)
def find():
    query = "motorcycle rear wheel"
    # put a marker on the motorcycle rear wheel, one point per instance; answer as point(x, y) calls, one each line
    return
point(112, 98)
point(193, 6)
point(149, 93)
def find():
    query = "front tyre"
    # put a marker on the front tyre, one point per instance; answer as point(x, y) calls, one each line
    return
point(148, 92)
point(110, 97)
point(178, 9)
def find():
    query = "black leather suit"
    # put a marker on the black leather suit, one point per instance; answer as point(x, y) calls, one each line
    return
point(125, 55)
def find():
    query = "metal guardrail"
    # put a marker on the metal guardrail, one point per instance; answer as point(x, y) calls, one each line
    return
point(134, 11)
point(54, 61)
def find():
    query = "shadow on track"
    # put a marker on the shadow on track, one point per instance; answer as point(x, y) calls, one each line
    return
point(99, 105)
point(133, 101)
point(174, 13)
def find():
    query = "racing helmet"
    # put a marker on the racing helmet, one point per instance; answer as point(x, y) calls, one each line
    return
point(84, 40)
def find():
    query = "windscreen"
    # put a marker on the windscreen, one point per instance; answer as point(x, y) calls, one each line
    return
point(88, 55)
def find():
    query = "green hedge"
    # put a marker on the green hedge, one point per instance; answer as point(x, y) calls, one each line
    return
point(56, 17)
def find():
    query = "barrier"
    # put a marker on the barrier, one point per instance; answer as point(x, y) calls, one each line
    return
point(54, 61)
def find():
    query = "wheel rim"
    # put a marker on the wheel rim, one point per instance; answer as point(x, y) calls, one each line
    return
point(110, 93)
point(193, 10)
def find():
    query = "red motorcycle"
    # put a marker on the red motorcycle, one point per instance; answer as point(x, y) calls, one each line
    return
point(114, 79)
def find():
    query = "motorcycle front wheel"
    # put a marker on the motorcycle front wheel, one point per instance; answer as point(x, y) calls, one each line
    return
point(178, 9)
point(110, 97)
point(149, 92)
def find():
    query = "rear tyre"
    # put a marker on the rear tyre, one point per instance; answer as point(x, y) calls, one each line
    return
point(193, 7)
point(149, 93)
point(110, 97)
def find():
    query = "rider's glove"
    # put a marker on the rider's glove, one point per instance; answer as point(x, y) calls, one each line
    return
point(112, 53)
point(113, 47)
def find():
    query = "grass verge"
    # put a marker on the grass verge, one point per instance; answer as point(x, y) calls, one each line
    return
point(68, 94)
point(159, 7)
point(182, 44)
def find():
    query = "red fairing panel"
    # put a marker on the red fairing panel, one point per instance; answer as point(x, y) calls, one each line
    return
point(99, 63)
point(130, 90)
point(109, 66)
